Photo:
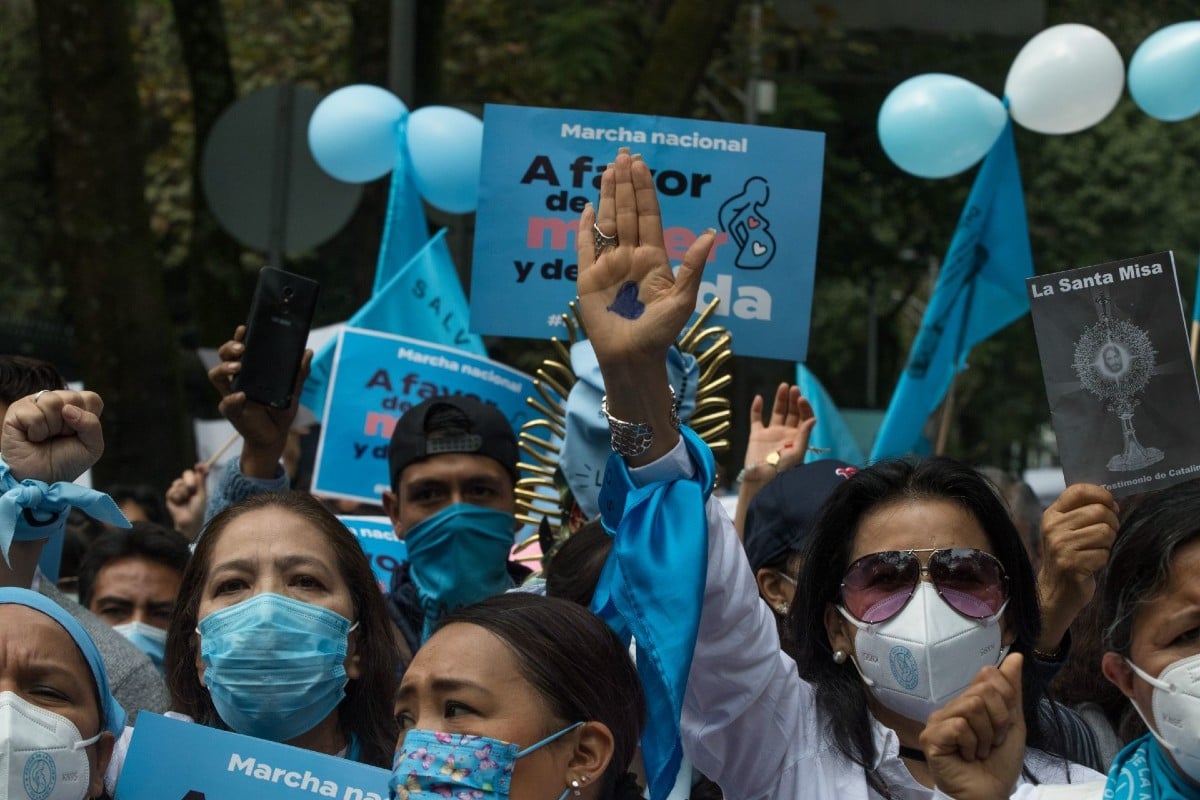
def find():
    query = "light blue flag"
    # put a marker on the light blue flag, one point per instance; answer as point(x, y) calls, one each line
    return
point(405, 229)
point(1196, 301)
point(830, 438)
point(423, 300)
point(980, 289)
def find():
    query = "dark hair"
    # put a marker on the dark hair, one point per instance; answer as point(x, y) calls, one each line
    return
point(574, 571)
point(21, 376)
point(840, 694)
point(365, 713)
point(146, 540)
point(1140, 564)
point(574, 661)
point(1022, 502)
point(788, 563)
point(151, 500)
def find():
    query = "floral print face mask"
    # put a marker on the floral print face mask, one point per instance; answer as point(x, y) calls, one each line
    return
point(455, 765)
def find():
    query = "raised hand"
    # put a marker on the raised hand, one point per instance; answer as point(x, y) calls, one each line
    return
point(785, 433)
point(53, 436)
point(264, 429)
point(975, 744)
point(632, 304)
point(186, 498)
point(1078, 530)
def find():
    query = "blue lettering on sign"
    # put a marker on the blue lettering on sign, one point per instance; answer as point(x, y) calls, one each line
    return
point(904, 667)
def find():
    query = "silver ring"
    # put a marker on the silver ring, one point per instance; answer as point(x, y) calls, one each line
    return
point(602, 239)
point(38, 396)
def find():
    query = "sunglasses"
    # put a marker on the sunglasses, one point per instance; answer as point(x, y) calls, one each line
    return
point(877, 586)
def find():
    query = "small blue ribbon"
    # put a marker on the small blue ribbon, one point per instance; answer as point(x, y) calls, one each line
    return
point(652, 588)
point(34, 495)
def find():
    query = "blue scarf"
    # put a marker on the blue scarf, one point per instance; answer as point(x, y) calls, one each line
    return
point(652, 588)
point(34, 495)
point(1142, 771)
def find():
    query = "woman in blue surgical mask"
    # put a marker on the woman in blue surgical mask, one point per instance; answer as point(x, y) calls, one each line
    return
point(519, 696)
point(281, 632)
point(58, 718)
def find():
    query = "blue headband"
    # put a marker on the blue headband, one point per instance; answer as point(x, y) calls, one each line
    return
point(114, 715)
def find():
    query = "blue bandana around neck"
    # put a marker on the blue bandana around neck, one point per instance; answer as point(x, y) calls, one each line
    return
point(1143, 771)
point(587, 444)
point(457, 557)
point(652, 588)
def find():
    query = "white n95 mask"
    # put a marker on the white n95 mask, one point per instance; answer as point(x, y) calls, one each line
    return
point(916, 661)
point(41, 754)
point(1176, 701)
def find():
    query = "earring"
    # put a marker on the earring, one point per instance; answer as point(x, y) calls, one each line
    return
point(782, 608)
point(575, 787)
point(584, 778)
point(839, 656)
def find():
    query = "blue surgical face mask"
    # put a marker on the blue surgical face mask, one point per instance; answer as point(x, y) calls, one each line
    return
point(457, 557)
point(150, 640)
point(431, 763)
point(274, 666)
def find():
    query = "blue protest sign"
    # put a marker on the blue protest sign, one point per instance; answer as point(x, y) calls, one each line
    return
point(170, 759)
point(376, 377)
point(759, 187)
point(377, 539)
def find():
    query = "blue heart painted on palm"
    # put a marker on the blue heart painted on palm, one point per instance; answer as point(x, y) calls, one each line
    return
point(626, 303)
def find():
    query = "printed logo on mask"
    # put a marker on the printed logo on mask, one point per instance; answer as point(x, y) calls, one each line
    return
point(40, 776)
point(904, 667)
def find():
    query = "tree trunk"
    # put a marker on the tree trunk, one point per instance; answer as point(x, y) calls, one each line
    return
point(127, 347)
point(220, 287)
point(680, 52)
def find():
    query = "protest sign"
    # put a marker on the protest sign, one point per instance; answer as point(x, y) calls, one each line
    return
point(379, 542)
point(170, 759)
point(760, 187)
point(1119, 378)
point(376, 377)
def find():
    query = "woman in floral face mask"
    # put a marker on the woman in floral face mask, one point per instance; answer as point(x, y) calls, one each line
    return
point(519, 696)
point(282, 634)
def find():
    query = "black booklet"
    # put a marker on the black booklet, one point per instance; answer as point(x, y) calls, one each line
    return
point(1119, 377)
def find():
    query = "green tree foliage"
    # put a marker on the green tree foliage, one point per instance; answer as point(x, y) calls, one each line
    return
point(1119, 189)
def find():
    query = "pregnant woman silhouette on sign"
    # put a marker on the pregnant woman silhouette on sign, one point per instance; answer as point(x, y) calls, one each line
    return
point(742, 218)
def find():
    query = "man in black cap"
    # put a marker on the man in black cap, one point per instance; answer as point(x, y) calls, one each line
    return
point(777, 525)
point(452, 464)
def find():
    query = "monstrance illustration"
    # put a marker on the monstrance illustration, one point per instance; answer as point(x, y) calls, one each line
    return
point(1114, 360)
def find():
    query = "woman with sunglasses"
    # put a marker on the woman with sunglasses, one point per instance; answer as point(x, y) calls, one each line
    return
point(915, 579)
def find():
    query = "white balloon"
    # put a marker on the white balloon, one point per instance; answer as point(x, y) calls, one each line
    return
point(1065, 79)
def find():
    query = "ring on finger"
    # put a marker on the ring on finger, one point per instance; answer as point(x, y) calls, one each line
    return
point(38, 396)
point(602, 239)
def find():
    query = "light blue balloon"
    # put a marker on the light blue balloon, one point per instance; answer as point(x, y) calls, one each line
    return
point(1164, 73)
point(353, 132)
point(445, 148)
point(938, 125)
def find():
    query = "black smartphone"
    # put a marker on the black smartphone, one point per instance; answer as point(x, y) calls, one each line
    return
point(276, 332)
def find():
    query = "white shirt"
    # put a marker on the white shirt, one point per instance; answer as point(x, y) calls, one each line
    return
point(749, 722)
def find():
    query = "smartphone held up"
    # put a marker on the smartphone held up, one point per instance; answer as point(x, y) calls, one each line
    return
point(281, 314)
